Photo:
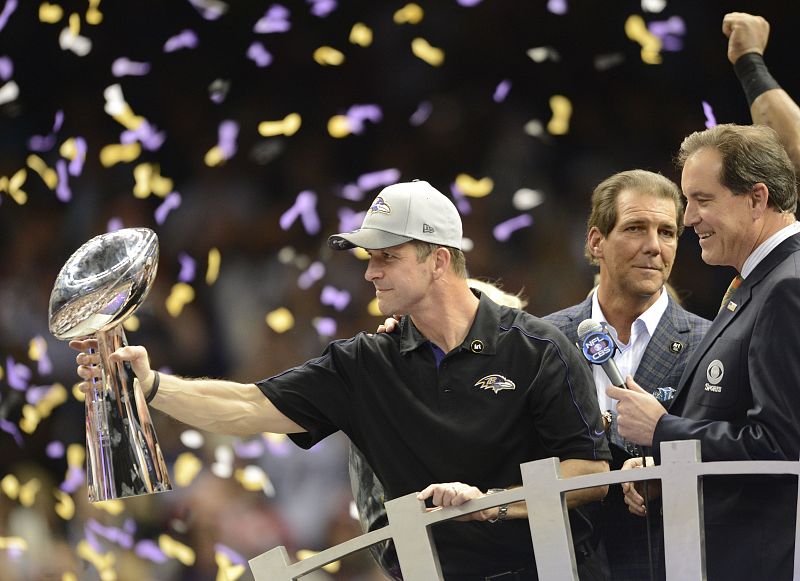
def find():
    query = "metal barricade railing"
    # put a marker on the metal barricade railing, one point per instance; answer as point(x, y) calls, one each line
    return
point(543, 491)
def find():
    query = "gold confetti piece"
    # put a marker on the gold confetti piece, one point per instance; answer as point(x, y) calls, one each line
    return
point(112, 507)
point(30, 419)
point(373, 309)
point(274, 438)
point(77, 393)
point(287, 126)
point(187, 467)
point(227, 571)
point(37, 347)
point(28, 492)
point(131, 323)
point(93, 14)
point(104, 563)
point(65, 506)
point(330, 567)
point(149, 180)
point(127, 118)
point(13, 543)
point(176, 550)
point(214, 261)
point(409, 14)
point(473, 188)
point(75, 24)
point(10, 486)
point(1, 372)
point(430, 54)
point(636, 30)
point(562, 111)
point(253, 478)
point(280, 320)
point(339, 126)
point(214, 156)
point(119, 153)
point(360, 253)
point(361, 34)
point(181, 295)
point(47, 174)
point(50, 13)
point(13, 186)
point(327, 55)
point(69, 577)
point(69, 150)
point(76, 454)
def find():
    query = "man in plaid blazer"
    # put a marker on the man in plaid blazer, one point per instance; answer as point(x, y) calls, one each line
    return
point(633, 230)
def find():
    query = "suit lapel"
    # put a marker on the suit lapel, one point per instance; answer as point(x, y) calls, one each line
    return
point(660, 357)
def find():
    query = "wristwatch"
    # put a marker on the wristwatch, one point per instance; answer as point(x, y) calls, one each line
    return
point(502, 510)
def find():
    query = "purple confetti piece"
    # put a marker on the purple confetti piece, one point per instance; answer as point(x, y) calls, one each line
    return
point(171, 202)
point(352, 192)
point(114, 224)
point(147, 549)
point(73, 480)
point(275, 20)
point(124, 67)
point(357, 114)
point(114, 534)
point(59, 121)
point(210, 9)
point(41, 143)
point(55, 449)
point(325, 326)
point(322, 8)
point(673, 25)
point(469, 3)
point(76, 164)
point(376, 179)
point(461, 201)
point(93, 541)
point(13, 430)
point(228, 133)
point(146, 134)
point(503, 230)
point(501, 92)
point(557, 6)
point(421, 115)
point(671, 44)
point(304, 207)
point(338, 299)
point(234, 557)
point(36, 393)
point(129, 526)
point(45, 366)
point(8, 10)
point(248, 450)
point(311, 275)
point(350, 220)
point(63, 193)
point(18, 374)
point(259, 55)
point(188, 267)
point(6, 68)
point(184, 39)
point(278, 448)
point(711, 121)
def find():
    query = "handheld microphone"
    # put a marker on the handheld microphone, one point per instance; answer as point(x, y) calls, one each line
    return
point(598, 348)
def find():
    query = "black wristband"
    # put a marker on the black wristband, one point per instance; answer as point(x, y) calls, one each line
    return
point(754, 76)
point(154, 389)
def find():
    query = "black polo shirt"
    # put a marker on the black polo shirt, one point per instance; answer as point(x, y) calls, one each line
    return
point(515, 390)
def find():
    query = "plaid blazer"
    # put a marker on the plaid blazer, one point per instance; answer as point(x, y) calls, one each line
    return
point(677, 335)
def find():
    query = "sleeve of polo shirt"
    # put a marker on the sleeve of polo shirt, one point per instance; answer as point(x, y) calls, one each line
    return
point(564, 404)
point(317, 394)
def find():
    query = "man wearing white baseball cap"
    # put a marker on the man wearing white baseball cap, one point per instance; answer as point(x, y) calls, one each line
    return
point(450, 405)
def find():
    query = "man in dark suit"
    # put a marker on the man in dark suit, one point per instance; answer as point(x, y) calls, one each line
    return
point(633, 230)
point(738, 394)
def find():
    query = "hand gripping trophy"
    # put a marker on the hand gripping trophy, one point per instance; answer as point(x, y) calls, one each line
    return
point(102, 284)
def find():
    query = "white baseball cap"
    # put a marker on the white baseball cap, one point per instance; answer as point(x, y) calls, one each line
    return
point(403, 212)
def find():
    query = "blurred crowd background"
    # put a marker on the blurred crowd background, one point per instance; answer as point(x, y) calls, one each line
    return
point(244, 133)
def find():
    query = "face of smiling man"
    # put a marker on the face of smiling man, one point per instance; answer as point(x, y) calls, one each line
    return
point(724, 222)
point(636, 256)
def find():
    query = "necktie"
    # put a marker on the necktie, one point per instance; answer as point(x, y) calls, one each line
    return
point(735, 283)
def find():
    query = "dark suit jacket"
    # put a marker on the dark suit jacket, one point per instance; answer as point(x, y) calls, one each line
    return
point(625, 536)
point(740, 396)
point(665, 357)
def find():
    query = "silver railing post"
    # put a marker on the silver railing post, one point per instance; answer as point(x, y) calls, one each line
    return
point(413, 540)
